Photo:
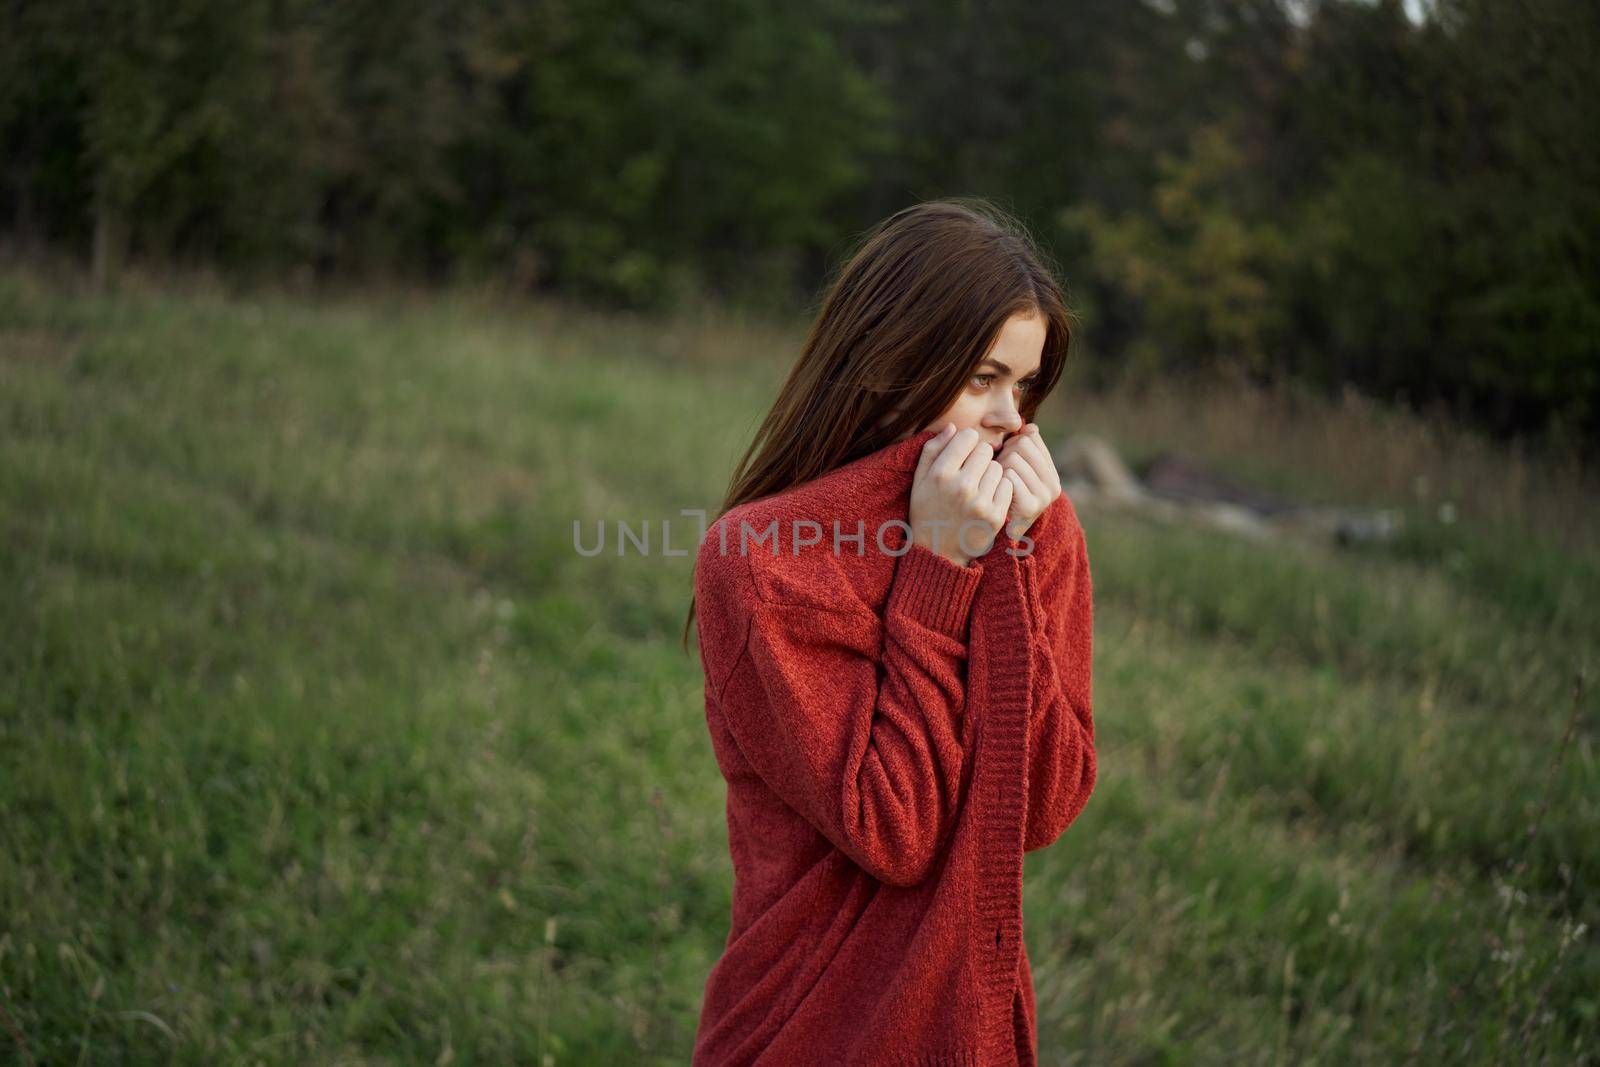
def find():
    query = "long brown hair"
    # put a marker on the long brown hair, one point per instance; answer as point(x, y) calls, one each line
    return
point(903, 325)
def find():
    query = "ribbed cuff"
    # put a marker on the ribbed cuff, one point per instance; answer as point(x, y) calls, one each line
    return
point(934, 591)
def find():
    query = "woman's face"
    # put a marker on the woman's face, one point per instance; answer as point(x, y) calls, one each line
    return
point(992, 397)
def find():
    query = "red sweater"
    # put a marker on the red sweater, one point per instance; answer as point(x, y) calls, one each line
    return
point(895, 731)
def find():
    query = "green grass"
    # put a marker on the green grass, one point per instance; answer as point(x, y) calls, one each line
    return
point(319, 743)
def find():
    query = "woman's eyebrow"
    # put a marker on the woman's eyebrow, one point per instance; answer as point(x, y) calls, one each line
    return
point(1001, 366)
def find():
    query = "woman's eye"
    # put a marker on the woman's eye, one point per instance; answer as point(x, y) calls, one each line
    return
point(982, 382)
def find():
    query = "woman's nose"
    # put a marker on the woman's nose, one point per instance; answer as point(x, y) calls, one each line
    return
point(1007, 418)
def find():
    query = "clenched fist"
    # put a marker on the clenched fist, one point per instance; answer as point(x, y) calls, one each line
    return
point(959, 495)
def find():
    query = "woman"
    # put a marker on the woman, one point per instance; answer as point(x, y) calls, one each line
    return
point(895, 621)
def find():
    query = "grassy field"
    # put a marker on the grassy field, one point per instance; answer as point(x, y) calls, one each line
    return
point(320, 743)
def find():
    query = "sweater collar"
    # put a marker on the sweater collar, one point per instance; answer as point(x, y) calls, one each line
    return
point(904, 455)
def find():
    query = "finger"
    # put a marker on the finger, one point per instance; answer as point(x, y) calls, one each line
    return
point(1032, 445)
point(992, 476)
point(1002, 500)
point(1014, 442)
point(1023, 499)
point(1016, 452)
point(978, 459)
point(931, 449)
point(1019, 465)
point(956, 451)
point(1024, 507)
point(1039, 459)
point(1049, 473)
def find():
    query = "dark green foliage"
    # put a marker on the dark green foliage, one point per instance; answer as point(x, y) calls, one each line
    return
point(1335, 191)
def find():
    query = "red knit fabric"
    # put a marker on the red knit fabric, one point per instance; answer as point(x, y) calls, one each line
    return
point(895, 731)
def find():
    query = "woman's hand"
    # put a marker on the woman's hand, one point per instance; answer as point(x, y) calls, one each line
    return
point(1035, 482)
point(959, 496)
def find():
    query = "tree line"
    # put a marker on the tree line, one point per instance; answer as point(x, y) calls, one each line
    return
point(1405, 198)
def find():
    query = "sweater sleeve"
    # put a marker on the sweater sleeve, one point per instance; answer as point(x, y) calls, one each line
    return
point(855, 721)
point(1061, 753)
